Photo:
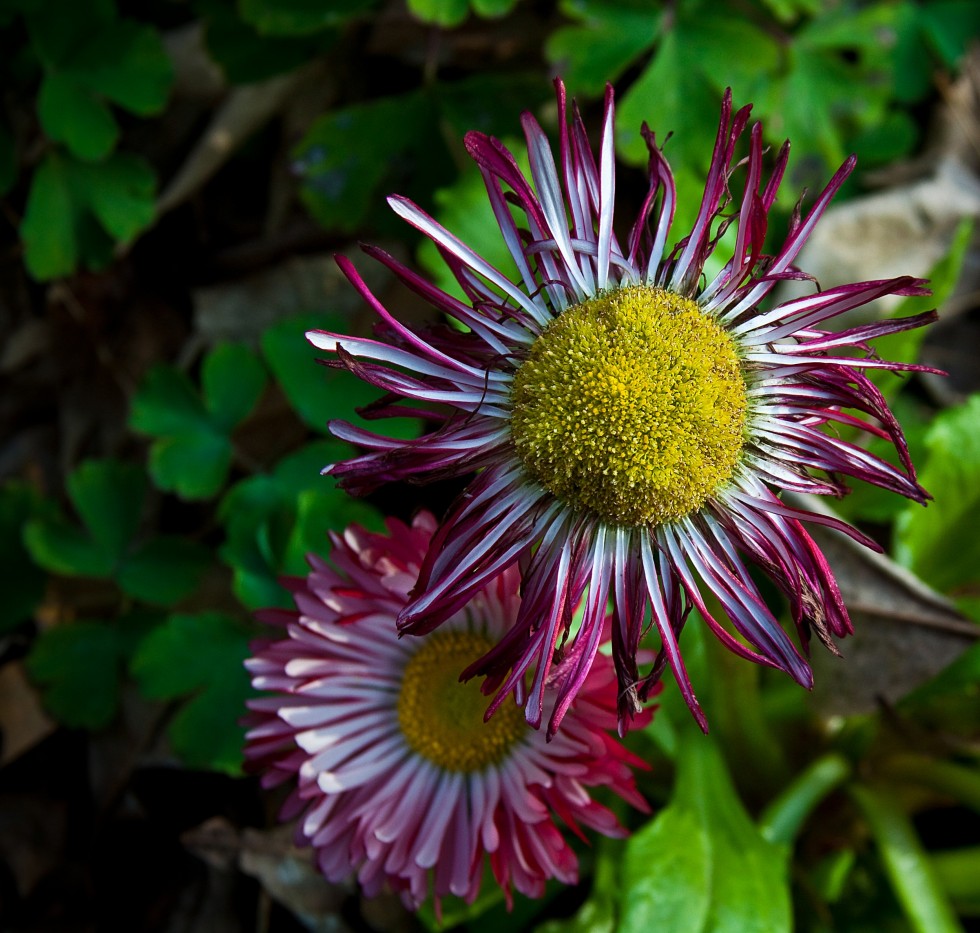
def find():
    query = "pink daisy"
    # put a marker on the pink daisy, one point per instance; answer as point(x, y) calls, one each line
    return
point(630, 422)
point(396, 776)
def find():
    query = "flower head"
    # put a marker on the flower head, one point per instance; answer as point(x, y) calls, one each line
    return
point(397, 777)
point(630, 424)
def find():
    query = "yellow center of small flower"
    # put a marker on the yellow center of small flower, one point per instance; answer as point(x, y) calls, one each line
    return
point(442, 719)
point(631, 405)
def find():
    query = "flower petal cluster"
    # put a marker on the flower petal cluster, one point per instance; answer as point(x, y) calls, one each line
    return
point(802, 392)
point(343, 728)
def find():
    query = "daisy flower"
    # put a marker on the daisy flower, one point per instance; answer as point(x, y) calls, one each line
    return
point(395, 774)
point(630, 423)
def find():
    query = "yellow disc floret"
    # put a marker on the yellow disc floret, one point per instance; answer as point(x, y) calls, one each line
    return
point(441, 718)
point(631, 405)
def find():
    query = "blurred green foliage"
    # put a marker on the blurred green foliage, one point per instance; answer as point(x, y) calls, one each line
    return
point(730, 847)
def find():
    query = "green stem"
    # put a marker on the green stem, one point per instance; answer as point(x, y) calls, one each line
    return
point(958, 871)
point(906, 862)
point(781, 820)
point(960, 782)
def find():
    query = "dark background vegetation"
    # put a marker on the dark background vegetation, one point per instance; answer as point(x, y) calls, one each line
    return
point(175, 179)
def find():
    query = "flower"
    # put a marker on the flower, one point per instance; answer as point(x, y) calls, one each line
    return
point(397, 777)
point(630, 424)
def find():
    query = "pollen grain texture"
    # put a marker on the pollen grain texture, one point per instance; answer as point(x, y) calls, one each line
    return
point(631, 405)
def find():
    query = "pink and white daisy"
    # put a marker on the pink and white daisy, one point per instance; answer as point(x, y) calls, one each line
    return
point(397, 777)
point(629, 423)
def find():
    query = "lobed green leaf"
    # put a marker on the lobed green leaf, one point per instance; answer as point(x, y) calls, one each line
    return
point(199, 658)
point(78, 666)
point(702, 865)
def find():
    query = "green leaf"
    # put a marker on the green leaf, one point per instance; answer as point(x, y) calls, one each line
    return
point(192, 464)
point(273, 521)
point(61, 547)
point(48, 227)
point(126, 62)
point(108, 495)
point(492, 8)
point(319, 394)
point(200, 658)
point(342, 160)
point(445, 13)
point(120, 193)
point(672, 98)
point(164, 570)
point(784, 817)
point(72, 115)
point(950, 25)
point(243, 54)
point(78, 667)
point(194, 452)
point(21, 580)
point(299, 17)
point(72, 202)
point(609, 36)
point(489, 103)
point(56, 36)
point(939, 542)
point(957, 871)
point(232, 380)
point(701, 865)
point(166, 403)
point(906, 862)
point(789, 10)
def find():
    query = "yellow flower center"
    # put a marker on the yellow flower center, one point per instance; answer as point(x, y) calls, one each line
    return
point(631, 405)
point(442, 719)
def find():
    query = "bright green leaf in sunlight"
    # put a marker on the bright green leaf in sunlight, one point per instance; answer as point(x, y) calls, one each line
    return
point(940, 542)
point(78, 666)
point(607, 37)
point(701, 866)
point(449, 13)
point(273, 521)
point(300, 17)
point(21, 580)
point(801, 83)
point(199, 658)
point(108, 497)
point(788, 10)
point(192, 451)
point(446, 13)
